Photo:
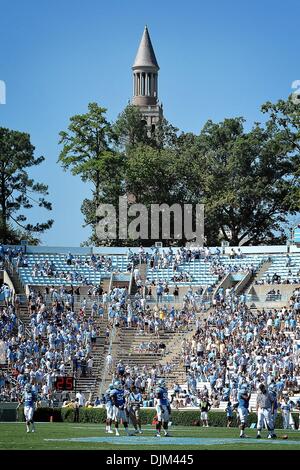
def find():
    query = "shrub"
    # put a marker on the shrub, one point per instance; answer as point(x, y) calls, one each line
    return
point(179, 417)
point(42, 414)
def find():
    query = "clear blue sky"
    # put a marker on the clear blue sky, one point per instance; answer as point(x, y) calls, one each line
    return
point(218, 59)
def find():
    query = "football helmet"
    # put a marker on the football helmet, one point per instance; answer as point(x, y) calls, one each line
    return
point(161, 383)
point(118, 385)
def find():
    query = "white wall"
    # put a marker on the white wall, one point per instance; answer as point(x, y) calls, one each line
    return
point(123, 250)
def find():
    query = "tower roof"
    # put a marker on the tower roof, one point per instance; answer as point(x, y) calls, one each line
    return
point(145, 56)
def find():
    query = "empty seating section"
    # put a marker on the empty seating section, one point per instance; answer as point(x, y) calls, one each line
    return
point(197, 269)
point(203, 272)
point(81, 273)
point(286, 268)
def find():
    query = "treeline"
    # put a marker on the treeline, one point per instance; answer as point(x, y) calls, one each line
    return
point(247, 180)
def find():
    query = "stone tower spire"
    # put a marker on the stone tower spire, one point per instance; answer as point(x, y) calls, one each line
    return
point(145, 82)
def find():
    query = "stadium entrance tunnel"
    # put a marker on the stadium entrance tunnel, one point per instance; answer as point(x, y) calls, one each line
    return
point(178, 441)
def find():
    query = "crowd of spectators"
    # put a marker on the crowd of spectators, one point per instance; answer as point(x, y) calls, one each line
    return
point(236, 345)
point(57, 341)
point(232, 345)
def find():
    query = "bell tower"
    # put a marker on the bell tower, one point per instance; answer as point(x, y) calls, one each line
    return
point(145, 82)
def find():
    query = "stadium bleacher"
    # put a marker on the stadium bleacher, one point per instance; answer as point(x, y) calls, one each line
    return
point(200, 270)
point(288, 268)
point(88, 273)
point(129, 342)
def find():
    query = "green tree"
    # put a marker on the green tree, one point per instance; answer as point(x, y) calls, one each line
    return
point(165, 135)
point(19, 192)
point(130, 128)
point(88, 152)
point(246, 181)
point(284, 119)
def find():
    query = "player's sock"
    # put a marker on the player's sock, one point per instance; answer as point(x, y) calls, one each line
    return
point(242, 432)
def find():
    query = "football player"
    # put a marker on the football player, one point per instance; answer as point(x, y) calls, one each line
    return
point(273, 392)
point(109, 409)
point(243, 397)
point(29, 399)
point(163, 408)
point(134, 401)
point(118, 401)
point(286, 410)
point(265, 411)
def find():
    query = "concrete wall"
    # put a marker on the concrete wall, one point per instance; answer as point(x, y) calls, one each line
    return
point(8, 281)
point(261, 290)
point(123, 250)
point(241, 285)
point(258, 250)
point(226, 282)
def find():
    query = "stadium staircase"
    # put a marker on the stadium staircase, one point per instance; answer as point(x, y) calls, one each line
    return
point(89, 385)
point(127, 341)
point(143, 275)
point(258, 275)
point(178, 374)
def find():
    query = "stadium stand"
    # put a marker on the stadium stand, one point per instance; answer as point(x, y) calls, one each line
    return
point(63, 309)
point(283, 270)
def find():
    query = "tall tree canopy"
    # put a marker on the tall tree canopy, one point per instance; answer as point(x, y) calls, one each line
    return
point(18, 191)
point(88, 152)
point(247, 180)
point(130, 128)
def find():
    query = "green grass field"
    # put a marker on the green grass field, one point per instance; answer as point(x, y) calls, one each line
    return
point(56, 436)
